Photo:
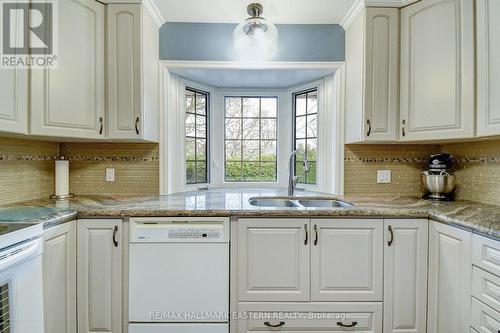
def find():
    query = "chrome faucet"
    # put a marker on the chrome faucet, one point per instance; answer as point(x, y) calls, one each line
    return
point(292, 178)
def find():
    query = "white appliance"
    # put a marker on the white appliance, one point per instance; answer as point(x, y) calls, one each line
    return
point(21, 286)
point(179, 275)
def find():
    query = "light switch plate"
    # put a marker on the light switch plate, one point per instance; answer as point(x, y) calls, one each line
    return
point(110, 174)
point(383, 176)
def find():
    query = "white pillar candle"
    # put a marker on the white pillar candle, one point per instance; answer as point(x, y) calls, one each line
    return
point(62, 177)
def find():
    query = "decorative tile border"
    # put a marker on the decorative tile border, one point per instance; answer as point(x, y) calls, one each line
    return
point(80, 158)
point(26, 158)
point(411, 160)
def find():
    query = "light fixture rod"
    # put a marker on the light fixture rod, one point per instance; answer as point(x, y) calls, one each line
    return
point(255, 9)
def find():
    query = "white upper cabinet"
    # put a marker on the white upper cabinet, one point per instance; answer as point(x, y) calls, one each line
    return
point(69, 101)
point(372, 48)
point(488, 67)
point(346, 260)
point(14, 87)
point(437, 70)
point(132, 65)
point(405, 275)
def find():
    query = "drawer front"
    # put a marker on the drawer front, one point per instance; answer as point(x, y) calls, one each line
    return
point(486, 288)
point(312, 317)
point(486, 254)
point(483, 318)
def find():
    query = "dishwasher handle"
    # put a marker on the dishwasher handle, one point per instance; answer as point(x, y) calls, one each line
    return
point(17, 253)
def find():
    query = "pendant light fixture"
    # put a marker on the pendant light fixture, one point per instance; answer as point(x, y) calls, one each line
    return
point(255, 39)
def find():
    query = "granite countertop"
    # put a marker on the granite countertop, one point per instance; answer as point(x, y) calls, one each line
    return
point(479, 218)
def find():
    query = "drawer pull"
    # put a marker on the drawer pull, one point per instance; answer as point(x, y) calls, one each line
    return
point(389, 243)
point(268, 324)
point(115, 230)
point(354, 323)
point(307, 234)
point(316, 234)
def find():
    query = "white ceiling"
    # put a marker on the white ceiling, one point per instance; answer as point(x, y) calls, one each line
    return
point(235, 78)
point(234, 11)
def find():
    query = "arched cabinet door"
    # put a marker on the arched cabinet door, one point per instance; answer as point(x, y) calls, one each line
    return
point(69, 101)
point(437, 70)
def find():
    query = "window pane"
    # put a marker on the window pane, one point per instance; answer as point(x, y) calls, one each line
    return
point(251, 171)
point(201, 102)
point(299, 171)
point(312, 102)
point(311, 175)
point(190, 149)
point(196, 136)
point(268, 150)
point(251, 139)
point(233, 128)
point(233, 106)
point(251, 129)
point(251, 107)
point(300, 104)
point(311, 149)
point(300, 127)
point(233, 171)
point(312, 126)
point(300, 146)
point(268, 130)
point(190, 118)
point(233, 150)
point(269, 107)
point(268, 171)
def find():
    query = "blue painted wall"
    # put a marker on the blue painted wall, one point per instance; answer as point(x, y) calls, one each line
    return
point(214, 42)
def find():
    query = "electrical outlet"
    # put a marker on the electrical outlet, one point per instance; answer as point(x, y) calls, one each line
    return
point(383, 176)
point(110, 174)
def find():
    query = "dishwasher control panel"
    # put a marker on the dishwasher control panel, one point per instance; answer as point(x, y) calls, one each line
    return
point(168, 230)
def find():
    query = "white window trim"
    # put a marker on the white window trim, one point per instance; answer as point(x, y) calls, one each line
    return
point(330, 106)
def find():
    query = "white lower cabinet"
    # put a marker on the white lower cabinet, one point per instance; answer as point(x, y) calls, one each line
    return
point(346, 260)
point(59, 278)
point(310, 317)
point(273, 259)
point(450, 272)
point(405, 275)
point(483, 318)
point(100, 275)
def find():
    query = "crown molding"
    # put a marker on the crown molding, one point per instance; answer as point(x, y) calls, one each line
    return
point(153, 10)
point(352, 13)
point(389, 3)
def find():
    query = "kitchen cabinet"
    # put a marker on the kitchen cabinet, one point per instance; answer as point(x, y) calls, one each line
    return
point(69, 101)
point(346, 260)
point(483, 318)
point(133, 73)
point(59, 278)
point(372, 87)
point(437, 70)
point(450, 271)
point(14, 88)
point(488, 67)
point(405, 275)
point(273, 259)
point(99, 270)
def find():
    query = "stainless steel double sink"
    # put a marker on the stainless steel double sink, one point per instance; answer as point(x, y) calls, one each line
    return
point(299, 202)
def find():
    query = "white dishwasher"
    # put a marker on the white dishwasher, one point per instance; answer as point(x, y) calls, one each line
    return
point(179, 275)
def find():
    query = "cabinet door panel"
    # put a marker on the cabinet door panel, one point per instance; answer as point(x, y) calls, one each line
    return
point(100, 272)
point(405, 275)
point(483, 318)
point(124, 70)
point(68, 101)
point(346, 261)
point(381, 68)
point(488, 67)
point(273, 260)
point(59, 278)
point(437, 70)
point(450, 270)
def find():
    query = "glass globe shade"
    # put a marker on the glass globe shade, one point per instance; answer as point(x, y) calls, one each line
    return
point(255, 39)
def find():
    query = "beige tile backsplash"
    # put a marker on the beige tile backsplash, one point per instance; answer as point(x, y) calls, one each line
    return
point(27, 168)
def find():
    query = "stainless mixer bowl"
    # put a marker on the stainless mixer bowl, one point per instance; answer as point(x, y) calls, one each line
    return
point(438, 185)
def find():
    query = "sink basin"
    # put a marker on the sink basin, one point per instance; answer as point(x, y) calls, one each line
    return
point(325, 203)
point(272, 202)
point(299, 202)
